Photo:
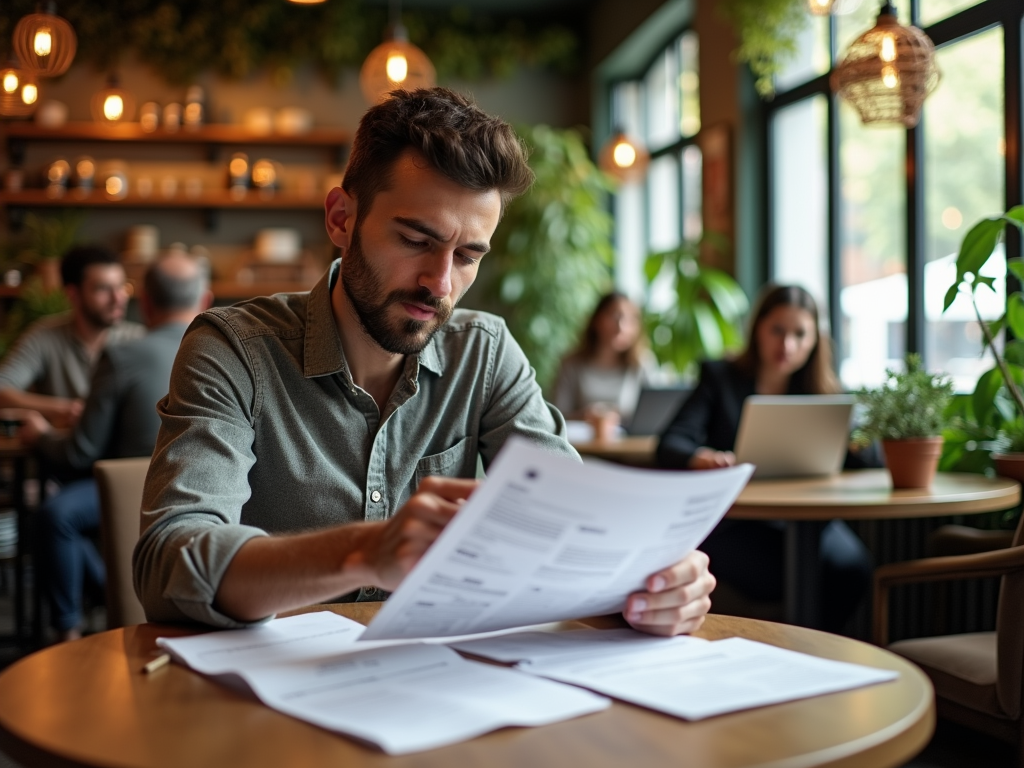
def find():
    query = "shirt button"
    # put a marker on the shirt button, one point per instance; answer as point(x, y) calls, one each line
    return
point(375, 496)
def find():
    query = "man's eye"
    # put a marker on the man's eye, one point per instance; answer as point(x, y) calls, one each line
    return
point(412, 243)
point(468, 260)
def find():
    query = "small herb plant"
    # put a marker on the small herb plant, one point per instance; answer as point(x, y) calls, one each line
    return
point(910, 404)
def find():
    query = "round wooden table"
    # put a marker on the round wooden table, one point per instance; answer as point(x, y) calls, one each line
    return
point(87, 703)
point(808, 504)
point(637, 451)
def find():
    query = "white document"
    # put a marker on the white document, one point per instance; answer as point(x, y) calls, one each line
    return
point(546, 538)
point(401, 698)
point(690, 680)
point(535, 647)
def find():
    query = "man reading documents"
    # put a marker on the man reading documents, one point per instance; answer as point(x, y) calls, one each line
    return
point(316, 444)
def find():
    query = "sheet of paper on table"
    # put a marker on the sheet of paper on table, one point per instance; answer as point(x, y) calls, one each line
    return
point(546, 538)
point(403, 698)
point(685, 677)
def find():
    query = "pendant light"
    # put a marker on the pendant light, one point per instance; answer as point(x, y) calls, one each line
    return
point(44, 42)
point(113, 104)
point(395, 63)
point(888, 72)
point(19, 91)
point(624, 157)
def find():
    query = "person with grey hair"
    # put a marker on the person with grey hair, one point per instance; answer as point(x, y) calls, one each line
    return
point(119, 420)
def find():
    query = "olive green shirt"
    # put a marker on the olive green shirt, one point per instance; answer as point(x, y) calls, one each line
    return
point(264, 431)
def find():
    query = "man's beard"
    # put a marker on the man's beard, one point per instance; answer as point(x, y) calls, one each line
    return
point(363, 286)
point(98, 319)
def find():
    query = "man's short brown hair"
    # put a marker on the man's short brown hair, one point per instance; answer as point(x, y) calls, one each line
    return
point(465, 144)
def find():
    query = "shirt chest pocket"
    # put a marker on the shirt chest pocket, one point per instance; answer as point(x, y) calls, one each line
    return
point(457, 461)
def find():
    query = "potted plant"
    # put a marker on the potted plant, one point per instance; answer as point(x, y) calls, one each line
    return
point(989, 424)
point(47, 239)
point(907, 414)
point(703, 320)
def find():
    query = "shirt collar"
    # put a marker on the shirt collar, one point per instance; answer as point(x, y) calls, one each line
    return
point(322, 351)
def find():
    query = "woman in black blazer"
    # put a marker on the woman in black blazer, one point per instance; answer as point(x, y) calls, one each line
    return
point(786, 354)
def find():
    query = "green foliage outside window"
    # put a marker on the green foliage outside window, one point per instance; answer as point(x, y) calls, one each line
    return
point(768, 31)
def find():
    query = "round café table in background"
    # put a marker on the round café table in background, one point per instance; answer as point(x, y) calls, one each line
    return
point(87, 703)
point(808, 504)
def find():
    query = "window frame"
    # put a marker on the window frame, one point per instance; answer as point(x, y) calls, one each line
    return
point(1009, 15)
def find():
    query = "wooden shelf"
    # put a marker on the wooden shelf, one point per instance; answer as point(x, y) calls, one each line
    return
point(206, 134)
point(38, 198)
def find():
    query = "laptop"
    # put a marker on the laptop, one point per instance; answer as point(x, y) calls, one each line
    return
point(655, 408)
point(794, 435)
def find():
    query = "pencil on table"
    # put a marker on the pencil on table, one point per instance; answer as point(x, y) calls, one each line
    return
point(160, 661)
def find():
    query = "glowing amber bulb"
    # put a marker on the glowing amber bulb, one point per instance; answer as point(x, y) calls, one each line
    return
point(624, 154)
point(238, 166)
point(114, 186)
point(10, 82)
point(29, 93)
point(42, 43)
point(890, 78)
point(888, 50)
point(113, 107)
point(397, 67)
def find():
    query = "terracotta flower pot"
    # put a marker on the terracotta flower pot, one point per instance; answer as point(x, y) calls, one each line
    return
point(1009, 465)
point(912, 462)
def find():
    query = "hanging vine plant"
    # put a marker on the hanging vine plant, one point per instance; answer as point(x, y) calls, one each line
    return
point(768, 31)
point(182, 38)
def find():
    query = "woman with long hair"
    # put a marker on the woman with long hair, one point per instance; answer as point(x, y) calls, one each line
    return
point(610, 365)
point(786, 354)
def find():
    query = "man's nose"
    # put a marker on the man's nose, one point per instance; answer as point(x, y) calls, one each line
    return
point(436, 276)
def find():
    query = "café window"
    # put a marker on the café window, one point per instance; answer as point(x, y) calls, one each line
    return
point(661, 108)
point(870, 218)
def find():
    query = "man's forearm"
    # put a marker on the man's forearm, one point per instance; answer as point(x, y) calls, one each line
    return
point(278, 573)
point(46, 404)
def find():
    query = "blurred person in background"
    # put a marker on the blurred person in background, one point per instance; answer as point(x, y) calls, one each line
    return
point(119, 420)
point(786, 354)
point(49, 368)
point(604, 374)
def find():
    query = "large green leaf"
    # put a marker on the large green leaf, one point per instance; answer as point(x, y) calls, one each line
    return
point(982, 401)
point(708, 332)
point(977, 247)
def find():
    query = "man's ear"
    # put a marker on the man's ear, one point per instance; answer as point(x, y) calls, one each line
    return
point(340, 216)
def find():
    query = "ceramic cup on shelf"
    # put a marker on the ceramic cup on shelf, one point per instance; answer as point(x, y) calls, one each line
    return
point(149, 116)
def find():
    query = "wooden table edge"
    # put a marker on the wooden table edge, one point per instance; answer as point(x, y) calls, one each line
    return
point(898, 742)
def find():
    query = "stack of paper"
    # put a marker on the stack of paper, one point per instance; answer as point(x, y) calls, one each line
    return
point(403, 698)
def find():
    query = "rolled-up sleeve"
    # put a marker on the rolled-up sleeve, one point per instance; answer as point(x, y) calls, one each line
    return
point(198, 479)
point(515, 404)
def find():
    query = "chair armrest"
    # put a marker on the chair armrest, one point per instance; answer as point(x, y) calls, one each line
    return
point(977, 566)
point(962, 540)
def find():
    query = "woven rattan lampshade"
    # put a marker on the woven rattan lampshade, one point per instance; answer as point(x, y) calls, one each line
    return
point(624, 158)
point(395, 63)
point(44, 42)
point(19, 92)
point(888, 72)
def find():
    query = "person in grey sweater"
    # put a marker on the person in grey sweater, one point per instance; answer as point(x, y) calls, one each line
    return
point(119, 420)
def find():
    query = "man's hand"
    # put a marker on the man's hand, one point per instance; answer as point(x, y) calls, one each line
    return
point(708, 458)
point(33, 426)
point(391, 548)
point(677, 599)
point(64, 414)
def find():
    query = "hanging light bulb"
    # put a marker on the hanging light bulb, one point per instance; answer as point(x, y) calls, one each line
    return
point(44, 42)
point(888, 72)
point(19, 92)
point(395, 63)
point(624, 158)
point(113, 104)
